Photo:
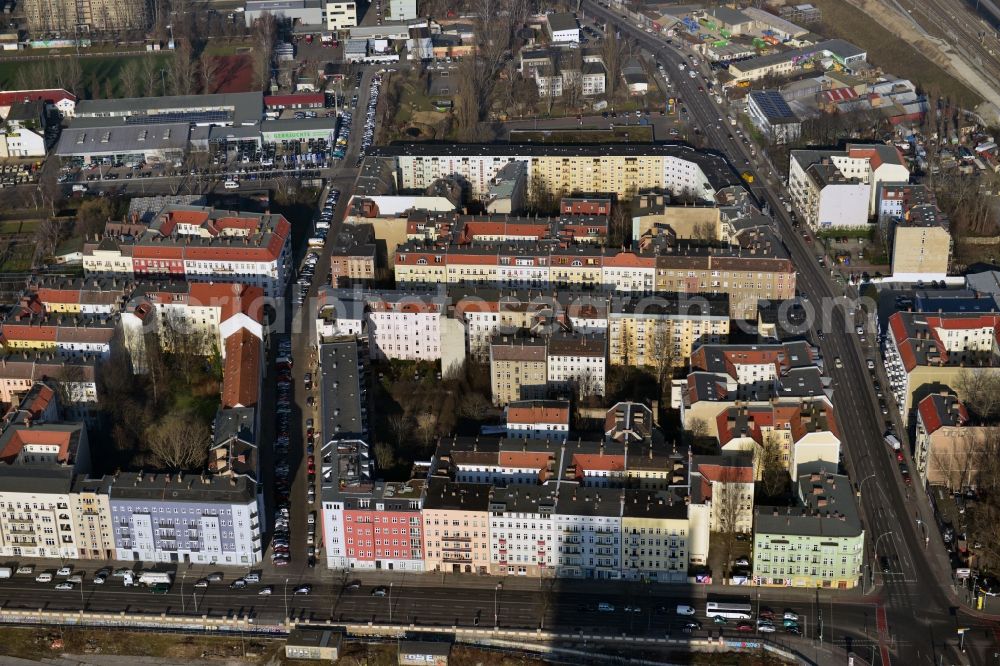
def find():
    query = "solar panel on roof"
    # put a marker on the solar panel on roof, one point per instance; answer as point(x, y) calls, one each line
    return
point(180, 117)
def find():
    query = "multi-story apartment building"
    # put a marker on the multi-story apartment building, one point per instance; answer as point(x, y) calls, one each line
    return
point(77, 378)
point(587, 527)
point(395, 324)
point(538, 419)
point(456, 527)
point(819, 543)
point(576, 364)
point(725, 376)
point(518, 368)
point(353, 256)
point(948, 448)
point(403, 327)
point(921, 244)
point(747, 275)
point(367, 524)
point(840, 188)
point(655, 537)
point(522, 530)
point(200, 244)
point(94, 296)
point(927, 350)
point(801, 432)
point(642, 331)
point(726, 483)
point(612, 168)
point(90, 500)
point(753, 269)
point(486, 312)
point(178, 518)
point(41, 458)
point(195, 316)
point(28, 328)
point(68, 18)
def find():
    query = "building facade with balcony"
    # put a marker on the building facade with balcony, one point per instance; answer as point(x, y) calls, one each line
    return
point(587, 526)
point(39, 464)
point(655, 534)
point(819, 543)
point(456, 527)
point(196, 519)
point(90, 500)
point(522, 530)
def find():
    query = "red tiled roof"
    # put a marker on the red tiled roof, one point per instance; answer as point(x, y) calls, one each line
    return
point(241, 375)
point(28, 436)
point(929, 414)
point(537, 413)
point(51, 95)
point(524, 459)
point(595, 461)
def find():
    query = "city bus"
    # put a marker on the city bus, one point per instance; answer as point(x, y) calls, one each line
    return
point(730, 611)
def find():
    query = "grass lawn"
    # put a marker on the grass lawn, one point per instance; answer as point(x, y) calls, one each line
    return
point(892, 53)
point(636, 133)
point(98, 68)
point(18, 226)
point(222, 47)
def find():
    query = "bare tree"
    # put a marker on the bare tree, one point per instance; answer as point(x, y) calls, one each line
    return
point(399, 428)
point(730, 504)
point(264, 34)
point(696, 427)
point(182, 71)
point(209, 73)
point(130, 78)
point(426, 428)
point(47, 235)
point(613, 52)
point(384, 455)
point(473, 405)
point(151, 78)
point(179, 441)
point(496, 23)
point(980, 390)
point(771, 466)
point(664, 356)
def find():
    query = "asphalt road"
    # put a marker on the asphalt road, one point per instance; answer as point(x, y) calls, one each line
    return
point(921, 618)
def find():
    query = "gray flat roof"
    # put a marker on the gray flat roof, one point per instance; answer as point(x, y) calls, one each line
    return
point(247, 108)
point(189, 488)
point(340, 381)
point(828, 509)
point(298, 124)
point(123, 138)
point(28, 478)
point(562, 21)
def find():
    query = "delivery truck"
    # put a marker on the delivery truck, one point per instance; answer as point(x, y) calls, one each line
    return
point(148, 578)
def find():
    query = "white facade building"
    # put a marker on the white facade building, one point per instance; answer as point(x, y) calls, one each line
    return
point(588, 532)
point(522, 530)
point(577, 364)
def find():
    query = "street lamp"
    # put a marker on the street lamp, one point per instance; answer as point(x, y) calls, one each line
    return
point(183, 576)
point(390, 602)
point(496, 605)
point(286, 599)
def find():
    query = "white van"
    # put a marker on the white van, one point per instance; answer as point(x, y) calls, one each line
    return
point(683, 609)
point(231, 185)
point(79, 188)
point(43, 578)
point(605, 607)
